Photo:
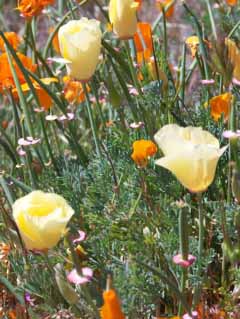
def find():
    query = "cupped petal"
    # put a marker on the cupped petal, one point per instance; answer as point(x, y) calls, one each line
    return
point(194, 169)
point(172, 138)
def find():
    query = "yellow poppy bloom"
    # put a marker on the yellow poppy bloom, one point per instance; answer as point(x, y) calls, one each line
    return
point(122, 15)
point(190, 153)
point(41, 219)
point(80, 46)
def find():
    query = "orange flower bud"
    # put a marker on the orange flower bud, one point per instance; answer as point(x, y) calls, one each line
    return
point(219, 105)
point(111, 308)
point(142, 150)
point(163, 4)
point(143, 42)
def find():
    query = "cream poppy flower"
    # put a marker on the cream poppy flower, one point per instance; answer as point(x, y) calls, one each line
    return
point(122, 15)
point(80, 46)
point(41, 219)
point(190, 153)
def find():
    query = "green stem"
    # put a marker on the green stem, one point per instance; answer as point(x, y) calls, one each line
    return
point(183, 75)
point(48, 144)
point(132, 70)
point(183, 239)
point(197, 292)
point(90, 301)
point(232, 32)
point(165, 38)
point(199, 31)
point(201, 228)
point(91, 120)
point(210, 13)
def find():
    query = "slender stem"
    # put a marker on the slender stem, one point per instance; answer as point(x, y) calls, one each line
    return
point(201, 228)
point(183, 239)
point(201, 231)
point(91, 120)
point(48, 144)
point(165, 38)
point(90, 301)
point(232, 32)
point(199, 31)
point(183, 75)
point(210, 13)
point(132, 70)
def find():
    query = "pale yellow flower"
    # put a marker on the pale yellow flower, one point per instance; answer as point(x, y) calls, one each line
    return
point(80, 46)
point(122, 15)
point(190, 153)
point(41, 219)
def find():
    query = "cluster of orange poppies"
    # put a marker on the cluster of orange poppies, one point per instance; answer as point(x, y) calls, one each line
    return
point(31, 8)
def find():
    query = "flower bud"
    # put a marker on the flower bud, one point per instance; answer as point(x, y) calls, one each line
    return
point(122, 14)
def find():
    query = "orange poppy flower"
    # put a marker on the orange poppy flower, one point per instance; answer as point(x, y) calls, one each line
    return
point(219, 105)
point(163, 4)
point(32, 8)
point(6, 77)
point(142, 150)
point(44, 99)
point(73, 90)
point(143, 42)
point(111, 308)
point(12, 38)
point(232, 2)
point(29, 8)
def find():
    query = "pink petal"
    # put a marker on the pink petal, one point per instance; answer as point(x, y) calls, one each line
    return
point(133, 91)
point(235, 81)
point(62, 118)
point(208, 82)
point(23, 142)
point(231, 134)
point(77, 279)
point(135, 125)
point(193, 316)
point(87, 272)
point(37, 110)
point(81, 237)
point(21, 151)
point(178, 260)
point(70, 116)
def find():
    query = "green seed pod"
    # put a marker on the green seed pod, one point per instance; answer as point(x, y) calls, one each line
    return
point(65, 289)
